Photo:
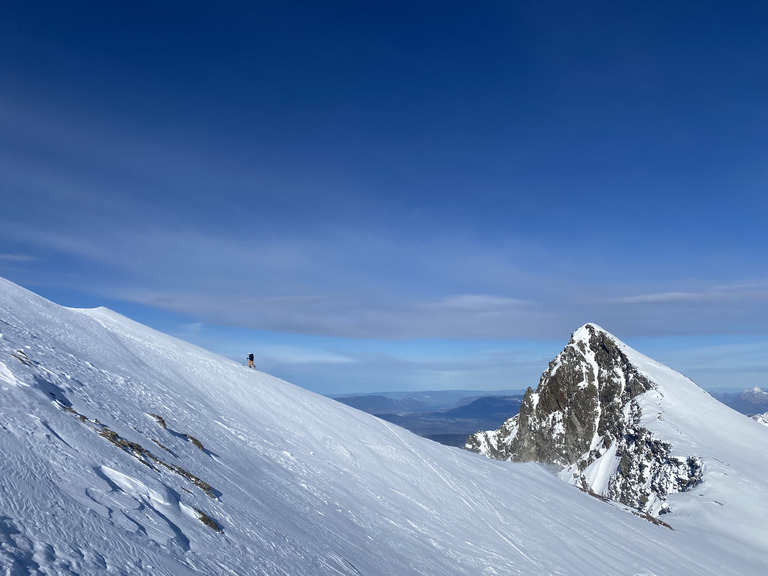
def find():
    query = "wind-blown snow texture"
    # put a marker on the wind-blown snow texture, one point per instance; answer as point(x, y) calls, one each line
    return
point(126, 451)
point(625, 427)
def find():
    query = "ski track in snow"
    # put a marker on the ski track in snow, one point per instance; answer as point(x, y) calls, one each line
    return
point(301, 485)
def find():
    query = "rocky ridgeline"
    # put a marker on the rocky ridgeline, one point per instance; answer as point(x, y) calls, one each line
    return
point(762, 418)
point(582, 411)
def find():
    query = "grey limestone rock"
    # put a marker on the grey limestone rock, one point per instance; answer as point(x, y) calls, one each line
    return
point(582, 407)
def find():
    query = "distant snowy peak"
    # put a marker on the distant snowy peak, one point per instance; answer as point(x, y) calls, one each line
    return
point(755, 396)
point(583, 418)
point(749, 402)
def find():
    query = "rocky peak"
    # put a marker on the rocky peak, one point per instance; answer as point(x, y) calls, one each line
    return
point(578, 401)
point(583, 410)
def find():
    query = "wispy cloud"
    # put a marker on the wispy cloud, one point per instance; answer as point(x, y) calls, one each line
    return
point(291, 355)
point(737, 291)
point(364, 316)
point(352, 284)
point(376, 372)
point(190, 331)
point(661, 298)
point(342, 283)
point(480, 303)
point(18, 258)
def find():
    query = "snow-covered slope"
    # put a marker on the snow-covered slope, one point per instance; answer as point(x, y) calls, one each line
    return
point(621, 425)
point(125, 451)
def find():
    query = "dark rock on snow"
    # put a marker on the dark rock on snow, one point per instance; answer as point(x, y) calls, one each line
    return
point(584, 410)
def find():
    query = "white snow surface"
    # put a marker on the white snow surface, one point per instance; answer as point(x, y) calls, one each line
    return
point(302, 485)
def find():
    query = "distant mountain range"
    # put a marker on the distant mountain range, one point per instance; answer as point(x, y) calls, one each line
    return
point(375, 404)
point(447, 417)
point(450, 416)
point(392, 402)
point(749, 402)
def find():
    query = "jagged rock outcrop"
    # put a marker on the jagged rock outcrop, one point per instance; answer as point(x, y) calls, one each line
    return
point(762, 418)
point(583, 419)
point(647, 472)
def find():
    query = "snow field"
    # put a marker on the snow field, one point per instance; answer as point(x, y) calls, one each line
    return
point(301, 484)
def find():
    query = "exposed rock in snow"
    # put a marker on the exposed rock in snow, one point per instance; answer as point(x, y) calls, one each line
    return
point(762, 418)
point(617, 424)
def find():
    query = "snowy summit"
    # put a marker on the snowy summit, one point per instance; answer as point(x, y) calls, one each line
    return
point(625, 427)
point(124, 451)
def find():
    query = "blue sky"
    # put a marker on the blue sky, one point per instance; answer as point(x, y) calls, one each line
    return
point(396, 195)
